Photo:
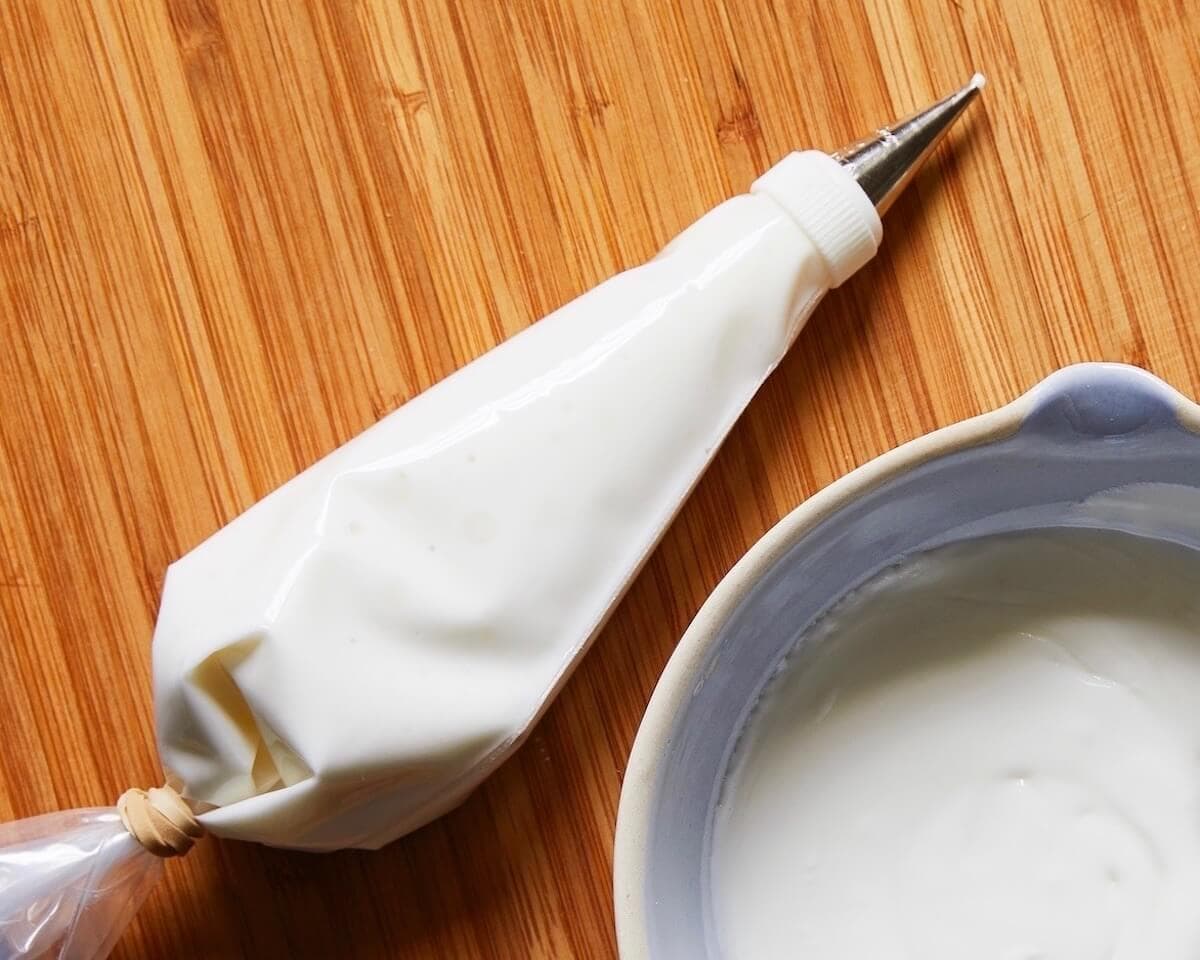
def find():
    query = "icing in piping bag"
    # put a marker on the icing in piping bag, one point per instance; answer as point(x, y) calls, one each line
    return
point(350, 657)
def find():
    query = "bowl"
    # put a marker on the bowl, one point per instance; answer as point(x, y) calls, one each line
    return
point(1094, 445)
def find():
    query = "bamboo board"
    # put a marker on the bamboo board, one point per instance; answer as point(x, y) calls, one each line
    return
point(233, 234)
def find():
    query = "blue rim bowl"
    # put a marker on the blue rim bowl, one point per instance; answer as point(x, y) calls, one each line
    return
point(1083, 432)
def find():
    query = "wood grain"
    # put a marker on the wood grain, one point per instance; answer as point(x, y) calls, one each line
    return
point(233, 234)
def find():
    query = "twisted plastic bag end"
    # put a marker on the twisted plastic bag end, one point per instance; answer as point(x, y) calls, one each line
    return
point(160, 820)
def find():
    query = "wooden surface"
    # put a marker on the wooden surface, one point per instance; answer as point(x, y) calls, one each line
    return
point(235, 232)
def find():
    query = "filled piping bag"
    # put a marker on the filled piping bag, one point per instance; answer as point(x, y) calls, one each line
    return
point(350, 657)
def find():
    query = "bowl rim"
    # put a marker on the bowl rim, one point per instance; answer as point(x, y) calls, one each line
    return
point(683, 667)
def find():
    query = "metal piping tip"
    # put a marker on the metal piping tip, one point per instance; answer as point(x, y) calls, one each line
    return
point(884, 163)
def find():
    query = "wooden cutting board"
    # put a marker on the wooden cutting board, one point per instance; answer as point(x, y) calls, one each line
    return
point(233, 233)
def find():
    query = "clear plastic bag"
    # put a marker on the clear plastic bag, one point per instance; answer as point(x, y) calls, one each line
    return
point(69, 884)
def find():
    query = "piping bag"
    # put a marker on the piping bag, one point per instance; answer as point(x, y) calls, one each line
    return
point(349, 658)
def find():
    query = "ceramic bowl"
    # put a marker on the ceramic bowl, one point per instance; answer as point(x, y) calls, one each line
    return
point(1079, 435)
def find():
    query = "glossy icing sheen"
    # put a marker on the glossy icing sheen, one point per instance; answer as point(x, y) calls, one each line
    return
point(989, 752)
point(351, 656)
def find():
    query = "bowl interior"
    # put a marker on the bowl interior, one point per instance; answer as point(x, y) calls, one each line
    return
point(1084, 431)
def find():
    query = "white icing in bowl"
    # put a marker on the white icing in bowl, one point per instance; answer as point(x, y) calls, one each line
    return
point(991, 751)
